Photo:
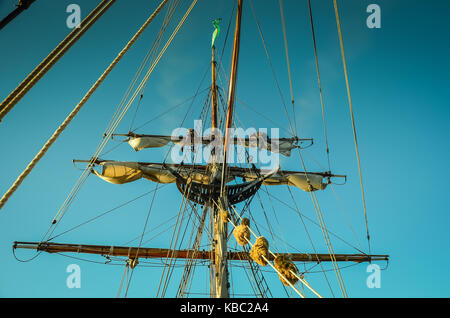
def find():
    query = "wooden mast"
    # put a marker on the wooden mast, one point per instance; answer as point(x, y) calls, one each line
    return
point(218, 269)
point(232, 86)
point(219, 252)
point(220, 227)
point(213, 90)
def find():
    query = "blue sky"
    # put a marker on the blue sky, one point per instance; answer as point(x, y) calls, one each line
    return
point(399, 83)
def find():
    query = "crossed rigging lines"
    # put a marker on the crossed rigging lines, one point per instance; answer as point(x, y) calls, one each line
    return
point(120, 112)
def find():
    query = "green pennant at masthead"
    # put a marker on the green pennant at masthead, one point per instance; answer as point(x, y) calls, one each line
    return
point(216, 31)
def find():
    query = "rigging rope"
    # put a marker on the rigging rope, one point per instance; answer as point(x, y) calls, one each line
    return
point(270, 230)
point(172, 108)
point(171, 250)
point(293, 133)
point(346, 217)
point(309, 237)
point(150, 52)
point(272, 68)
point(114, 125)
point(186, 277)
point(75, 111)
point(16, 95)
point(268, 262)
point(324, 229)
point(103, 214)
point(329, 245)
point(320, 84)
point(283, 23)
point(309, 219)
point(142, 237)
point(125, 273)
point(300, 278)
point(190, 261)
point(341, 42)
point(151, 55)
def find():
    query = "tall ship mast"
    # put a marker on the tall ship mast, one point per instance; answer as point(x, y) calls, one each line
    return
point(217, 189)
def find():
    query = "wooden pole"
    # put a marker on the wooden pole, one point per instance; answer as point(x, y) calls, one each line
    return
point(220, 227)
point(142, 252)
point(233, 77)
point(213, 90)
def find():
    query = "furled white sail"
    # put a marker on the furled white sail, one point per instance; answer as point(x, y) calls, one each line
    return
point(297, 179)
point(124, 172)
point(139, 143)
point(282, 145)
point(119, 172)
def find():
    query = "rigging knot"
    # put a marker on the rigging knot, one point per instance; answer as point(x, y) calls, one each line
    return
point(132, 262)
point(108, 259)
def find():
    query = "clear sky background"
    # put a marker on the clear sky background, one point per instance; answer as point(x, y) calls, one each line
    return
point(399, 83)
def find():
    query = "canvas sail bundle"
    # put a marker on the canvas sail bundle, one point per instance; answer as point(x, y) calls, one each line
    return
point(123, 172)
point(139, 143)
point(281, 145)
point(306, 182)
point(262, 141)
point(119, 173)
